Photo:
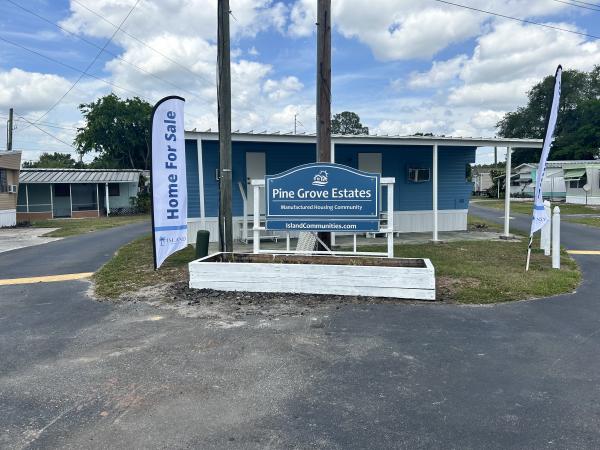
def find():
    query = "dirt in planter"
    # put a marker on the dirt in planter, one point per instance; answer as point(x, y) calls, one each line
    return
point(317, 259)
point(222, 305)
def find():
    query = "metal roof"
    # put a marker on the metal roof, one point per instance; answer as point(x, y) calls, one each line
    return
point(79, 176)
point(452, 141)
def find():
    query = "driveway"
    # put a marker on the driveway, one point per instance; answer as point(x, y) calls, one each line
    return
point(81, 374)
point(14, 238)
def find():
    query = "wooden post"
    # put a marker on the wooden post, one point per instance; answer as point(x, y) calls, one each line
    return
point(224, 94)
point(9, 131)
point(556, 238)
point(324, 89)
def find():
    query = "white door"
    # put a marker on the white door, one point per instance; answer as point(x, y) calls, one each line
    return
point(255, 169)
point(370, 162)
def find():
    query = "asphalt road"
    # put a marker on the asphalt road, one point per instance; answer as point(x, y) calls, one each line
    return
point(80, 374)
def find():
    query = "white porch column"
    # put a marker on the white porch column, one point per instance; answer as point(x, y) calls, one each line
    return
point(435, 192)
point(71, 200)
point(107, 200)
point(507, 192)
point(98, 199)
point(27, 196)
point(52, 200)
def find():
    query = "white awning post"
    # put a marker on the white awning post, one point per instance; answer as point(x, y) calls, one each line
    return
point(556, 238)
point(98, 198)
point(507, 192)
point(545, 239)
point(435, 192)
point(256, 220)
point(107, 200)
point(27, 196)
point(71, 199)
point(287, 241)
point(52, 200)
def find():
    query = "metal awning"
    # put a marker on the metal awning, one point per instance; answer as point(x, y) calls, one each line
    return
point(574, 174)
point(57, 176)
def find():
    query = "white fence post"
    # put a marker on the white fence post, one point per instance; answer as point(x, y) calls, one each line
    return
point(390, 219)
point(556, 238)
point(545, 238)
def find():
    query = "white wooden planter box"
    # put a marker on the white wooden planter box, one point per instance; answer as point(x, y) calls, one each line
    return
point(416, 280)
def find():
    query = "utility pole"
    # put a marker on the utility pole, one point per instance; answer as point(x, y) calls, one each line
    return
point(495, 156)
point(324, 89)
point(9, 131)
point(224, 95)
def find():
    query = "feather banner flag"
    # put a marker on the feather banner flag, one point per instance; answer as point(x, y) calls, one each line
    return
point(540, 218)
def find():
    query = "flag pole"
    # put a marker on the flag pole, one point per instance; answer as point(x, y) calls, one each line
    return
point(529, 253)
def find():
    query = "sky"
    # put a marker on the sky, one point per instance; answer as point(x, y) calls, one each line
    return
point(404, 66)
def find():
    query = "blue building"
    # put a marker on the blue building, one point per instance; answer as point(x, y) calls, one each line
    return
point(423, 196)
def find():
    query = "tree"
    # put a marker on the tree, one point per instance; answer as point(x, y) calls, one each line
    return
point(578, 126)
point(53, 161)
point(347, 122)
point(118, 131)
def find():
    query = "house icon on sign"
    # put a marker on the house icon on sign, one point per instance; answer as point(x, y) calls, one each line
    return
point(320, 179)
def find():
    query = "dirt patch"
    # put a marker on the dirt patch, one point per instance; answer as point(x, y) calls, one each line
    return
point(220, 305)
point(446, 287)
point(316, 259)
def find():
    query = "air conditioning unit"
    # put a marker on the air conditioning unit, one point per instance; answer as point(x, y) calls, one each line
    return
point(12, 188)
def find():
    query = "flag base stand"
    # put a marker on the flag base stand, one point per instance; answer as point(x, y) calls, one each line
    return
point(510, 237)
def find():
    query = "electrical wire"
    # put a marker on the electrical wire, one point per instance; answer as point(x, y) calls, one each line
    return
point(531, 22)
point(597, 9)
point(33, 124)
point(68, 66)
point(89, 66)
point(93, 44)
point(158, 52)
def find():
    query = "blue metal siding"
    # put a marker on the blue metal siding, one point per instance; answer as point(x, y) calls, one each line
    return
point(193, 183)
point(453, 189)
point(279, 157)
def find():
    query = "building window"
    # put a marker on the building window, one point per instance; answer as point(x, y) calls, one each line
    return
point(113, 189)
point(62, 190)
point(578, 184)
point(419, 175)
point(3, 180)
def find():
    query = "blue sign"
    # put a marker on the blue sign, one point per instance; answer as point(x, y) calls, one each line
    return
point(323, 197)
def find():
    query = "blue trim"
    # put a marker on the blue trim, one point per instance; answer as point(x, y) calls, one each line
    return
point(538, 207)
point(170, 228)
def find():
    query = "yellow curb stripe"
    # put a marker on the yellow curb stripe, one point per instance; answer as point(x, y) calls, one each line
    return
point(583, 252)
point(46, 279)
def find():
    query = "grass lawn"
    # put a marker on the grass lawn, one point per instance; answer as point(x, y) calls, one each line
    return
point(133, 268)
point(492, 271)
point(71, 227)
point(476, 223)
point(527, 207)
point(467, 272)
point(590, 221)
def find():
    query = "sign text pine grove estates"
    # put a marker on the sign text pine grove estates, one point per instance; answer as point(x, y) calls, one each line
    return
point(323, 197)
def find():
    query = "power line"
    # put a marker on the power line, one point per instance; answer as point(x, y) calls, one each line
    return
point(89, 66)
point(578, 6)
point(207, 80)
point(75, 69)
point(33, 124)
point(93, 44)
point(531, 22)
point(585, 3)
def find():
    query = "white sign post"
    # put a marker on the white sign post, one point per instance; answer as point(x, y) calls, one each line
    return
point(168, 180)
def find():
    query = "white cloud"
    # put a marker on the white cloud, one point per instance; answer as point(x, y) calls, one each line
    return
point(406, 29)
point(440, 73)
point(278, 90)
point(30, 91)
